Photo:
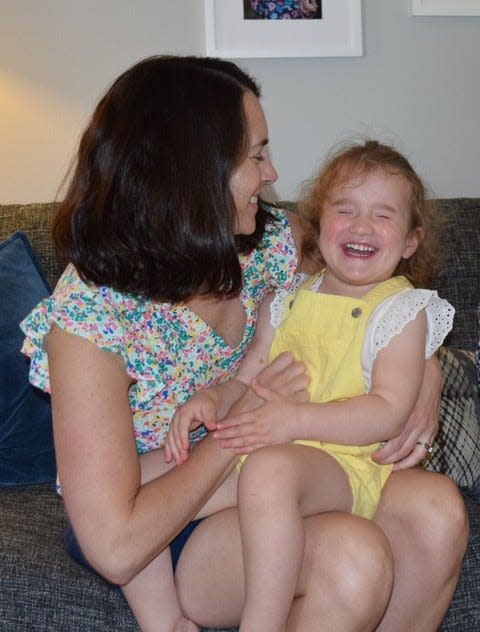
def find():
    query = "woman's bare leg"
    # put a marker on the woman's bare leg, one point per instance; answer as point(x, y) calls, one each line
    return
point(280, 485)
point(424, 518)
point(344, 584)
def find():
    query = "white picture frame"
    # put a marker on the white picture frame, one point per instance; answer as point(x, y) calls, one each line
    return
point(445, 7)
point(337, 34)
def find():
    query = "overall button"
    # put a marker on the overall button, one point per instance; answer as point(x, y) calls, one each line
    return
point(356, 312)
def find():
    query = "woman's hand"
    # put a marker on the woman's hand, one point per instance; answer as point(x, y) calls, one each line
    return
point(404, 451)
point(272, 422)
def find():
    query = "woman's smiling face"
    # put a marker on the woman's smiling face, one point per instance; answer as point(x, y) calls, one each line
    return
point(254, 171)
point(365, 231)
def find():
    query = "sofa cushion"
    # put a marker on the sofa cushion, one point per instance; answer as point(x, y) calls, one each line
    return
point(457, 445)
point(35, 221)
point(478, 348)
point(460, 282)
point(26, 443)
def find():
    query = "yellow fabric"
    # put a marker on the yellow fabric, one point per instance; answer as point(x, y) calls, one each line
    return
point(327, 333)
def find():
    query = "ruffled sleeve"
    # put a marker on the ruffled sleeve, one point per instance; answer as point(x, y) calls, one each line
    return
point(77, 308)
point(277, 306)
point(404, 308)
point(395, 312)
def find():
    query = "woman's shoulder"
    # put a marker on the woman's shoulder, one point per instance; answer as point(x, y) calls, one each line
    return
point(275, 258)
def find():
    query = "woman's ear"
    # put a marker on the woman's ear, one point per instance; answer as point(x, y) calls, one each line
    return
point(413, 241)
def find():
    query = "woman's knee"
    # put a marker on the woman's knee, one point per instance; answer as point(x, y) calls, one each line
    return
point(424, 515)
point(443, 518)
point(350, 560)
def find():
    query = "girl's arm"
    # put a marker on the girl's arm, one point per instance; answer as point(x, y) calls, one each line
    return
point(422, 424)
point(396, 380)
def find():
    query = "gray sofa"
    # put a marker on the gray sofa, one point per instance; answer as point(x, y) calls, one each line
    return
point(41, 588)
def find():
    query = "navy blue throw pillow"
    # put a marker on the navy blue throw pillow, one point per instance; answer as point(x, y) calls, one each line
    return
point(26, 441)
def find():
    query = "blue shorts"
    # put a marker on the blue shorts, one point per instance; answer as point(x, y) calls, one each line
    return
point(176, 546)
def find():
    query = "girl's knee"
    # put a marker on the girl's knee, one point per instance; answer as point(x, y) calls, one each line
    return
point(267, 473)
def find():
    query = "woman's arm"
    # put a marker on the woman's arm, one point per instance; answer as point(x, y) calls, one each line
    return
point(120, 523)
point(396, 380)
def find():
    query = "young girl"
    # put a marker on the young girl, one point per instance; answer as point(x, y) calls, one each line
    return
point(363, 332)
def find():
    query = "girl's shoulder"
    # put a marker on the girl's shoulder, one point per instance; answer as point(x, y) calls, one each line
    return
point(395, 312)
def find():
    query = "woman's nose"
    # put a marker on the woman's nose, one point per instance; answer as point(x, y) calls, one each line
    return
point(269, 174)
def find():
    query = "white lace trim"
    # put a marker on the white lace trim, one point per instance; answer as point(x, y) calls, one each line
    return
point(278, 302)
point(394, 313)
point(402, 308)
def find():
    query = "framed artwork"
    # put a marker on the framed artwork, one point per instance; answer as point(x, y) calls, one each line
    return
point(256, 28)
point(445, 7)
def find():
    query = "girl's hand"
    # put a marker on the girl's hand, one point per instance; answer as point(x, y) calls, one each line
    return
point(270, 423)
point(199, 409)
point(286, 376)
point(403, 451)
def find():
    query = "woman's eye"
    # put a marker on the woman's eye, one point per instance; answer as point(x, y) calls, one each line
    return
point(259, 158)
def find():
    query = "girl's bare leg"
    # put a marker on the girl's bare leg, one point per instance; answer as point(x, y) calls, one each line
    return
point(424, 518)
point(344, 583)
point(152, 596)
point(279, 485)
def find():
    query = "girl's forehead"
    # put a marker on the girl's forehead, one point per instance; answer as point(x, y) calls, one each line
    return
point(355, 175)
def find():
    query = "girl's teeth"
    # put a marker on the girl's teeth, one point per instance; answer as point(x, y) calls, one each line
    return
point(360, 248)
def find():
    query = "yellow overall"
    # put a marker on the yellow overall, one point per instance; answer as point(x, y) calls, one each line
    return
point(327, 333)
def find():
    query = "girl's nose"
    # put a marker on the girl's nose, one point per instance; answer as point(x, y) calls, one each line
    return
point(361, 225)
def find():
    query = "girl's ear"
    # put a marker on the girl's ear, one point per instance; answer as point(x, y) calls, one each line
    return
point(413, 241)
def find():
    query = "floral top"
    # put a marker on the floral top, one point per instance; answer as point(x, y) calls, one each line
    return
point(167, 349)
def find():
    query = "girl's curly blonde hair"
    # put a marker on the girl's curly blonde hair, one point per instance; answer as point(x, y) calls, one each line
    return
point(360, 159)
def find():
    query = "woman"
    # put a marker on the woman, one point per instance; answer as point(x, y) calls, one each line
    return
point(172, 254)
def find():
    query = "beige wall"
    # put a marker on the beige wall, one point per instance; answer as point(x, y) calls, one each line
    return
point(418, 85)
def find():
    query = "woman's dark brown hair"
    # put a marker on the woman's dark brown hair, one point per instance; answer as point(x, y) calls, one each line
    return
point(148, 210)
point(357, 160)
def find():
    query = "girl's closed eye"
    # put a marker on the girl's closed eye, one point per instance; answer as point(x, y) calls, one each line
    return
point(384, 215)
